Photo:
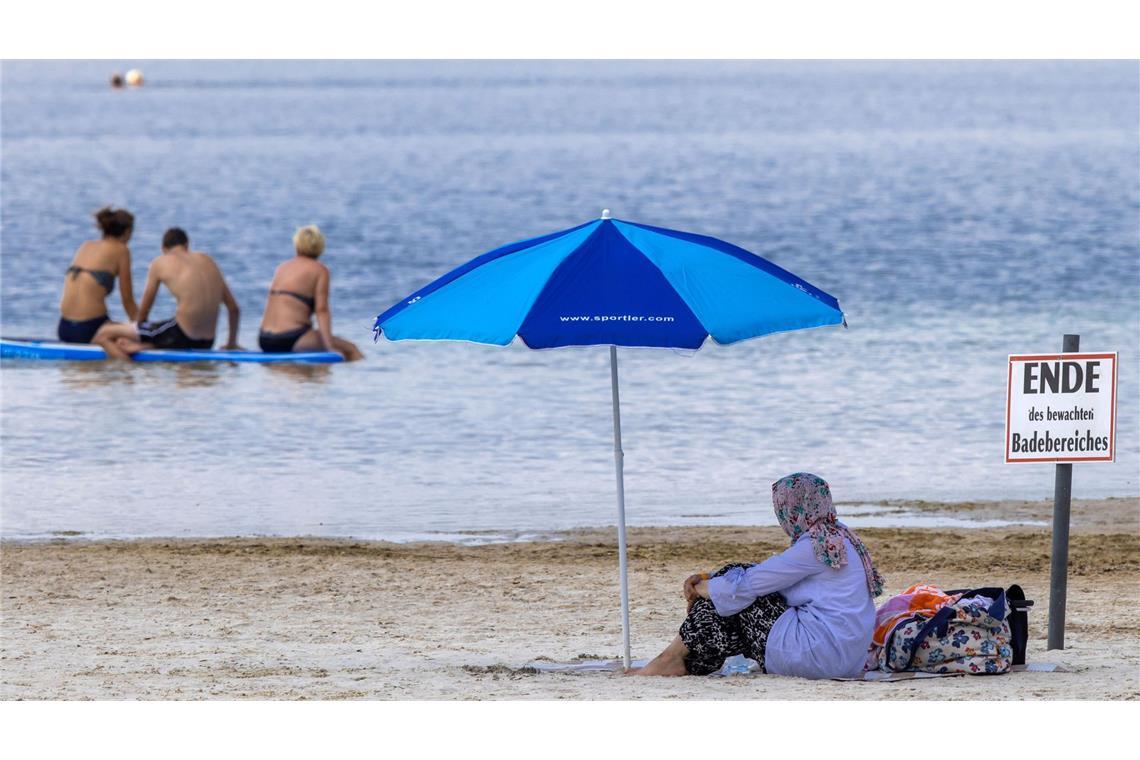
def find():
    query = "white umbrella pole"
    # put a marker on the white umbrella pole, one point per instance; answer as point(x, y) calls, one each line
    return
point(619, 457)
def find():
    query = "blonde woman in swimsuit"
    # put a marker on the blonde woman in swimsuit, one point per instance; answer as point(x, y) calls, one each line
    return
point(91, 279)
point(300, 289)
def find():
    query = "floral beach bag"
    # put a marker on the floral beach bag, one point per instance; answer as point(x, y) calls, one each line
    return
point(971, 635)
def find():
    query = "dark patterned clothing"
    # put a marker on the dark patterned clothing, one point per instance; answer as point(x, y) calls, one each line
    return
point(711, 639)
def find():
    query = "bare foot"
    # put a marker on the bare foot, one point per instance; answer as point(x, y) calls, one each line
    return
point(347, 349)
point(128, 346)
point(113, 350)
point(671, 662)
point(662, 666)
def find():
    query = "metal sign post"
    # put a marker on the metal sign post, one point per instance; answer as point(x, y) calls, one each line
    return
point(1059, 569)
point(1061, 409)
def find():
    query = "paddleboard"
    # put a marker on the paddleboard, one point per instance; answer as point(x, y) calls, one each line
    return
point(19, 348)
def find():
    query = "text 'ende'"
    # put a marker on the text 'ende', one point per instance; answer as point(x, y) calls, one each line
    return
point(1061, 377)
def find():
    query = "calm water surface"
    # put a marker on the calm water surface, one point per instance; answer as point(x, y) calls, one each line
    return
point(960, 212)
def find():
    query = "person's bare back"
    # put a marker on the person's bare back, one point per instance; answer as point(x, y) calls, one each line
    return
point(196, 283)
point(85, 296)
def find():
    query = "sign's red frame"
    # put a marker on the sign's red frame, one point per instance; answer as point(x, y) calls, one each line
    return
point(1062, 357)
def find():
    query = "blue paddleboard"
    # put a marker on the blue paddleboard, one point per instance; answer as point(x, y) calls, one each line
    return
point(16, 348)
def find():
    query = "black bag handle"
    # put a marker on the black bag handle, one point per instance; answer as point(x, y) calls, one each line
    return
point(1018, 622)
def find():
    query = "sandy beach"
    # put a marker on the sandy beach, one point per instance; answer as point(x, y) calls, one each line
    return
point(248, 618)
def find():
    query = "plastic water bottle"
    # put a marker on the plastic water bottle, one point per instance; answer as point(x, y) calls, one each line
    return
point(738, 664)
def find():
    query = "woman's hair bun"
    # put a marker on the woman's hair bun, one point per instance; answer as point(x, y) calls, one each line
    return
point(114, 222)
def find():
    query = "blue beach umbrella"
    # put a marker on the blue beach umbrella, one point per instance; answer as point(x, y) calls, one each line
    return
point(616, 283)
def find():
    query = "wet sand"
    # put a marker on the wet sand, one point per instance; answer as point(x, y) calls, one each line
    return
point(248, 618)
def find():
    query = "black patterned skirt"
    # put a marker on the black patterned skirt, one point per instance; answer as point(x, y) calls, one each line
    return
point(711, 639)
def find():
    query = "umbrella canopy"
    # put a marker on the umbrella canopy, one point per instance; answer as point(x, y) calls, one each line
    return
point(616, 283)
point(611, 282)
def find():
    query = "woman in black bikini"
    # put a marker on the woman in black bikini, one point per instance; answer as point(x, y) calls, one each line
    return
point(300, 289)
point(91, 278)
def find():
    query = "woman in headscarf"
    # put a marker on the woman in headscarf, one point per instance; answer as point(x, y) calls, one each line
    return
point(807, 611)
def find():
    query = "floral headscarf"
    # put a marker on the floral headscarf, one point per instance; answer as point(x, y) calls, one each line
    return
point(803, 505)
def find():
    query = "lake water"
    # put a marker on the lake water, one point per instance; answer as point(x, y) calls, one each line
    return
point(959, 211)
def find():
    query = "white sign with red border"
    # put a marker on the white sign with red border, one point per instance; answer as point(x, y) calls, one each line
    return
point(1061, 408)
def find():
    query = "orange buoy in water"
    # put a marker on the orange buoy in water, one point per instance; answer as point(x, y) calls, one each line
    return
point(134, 78)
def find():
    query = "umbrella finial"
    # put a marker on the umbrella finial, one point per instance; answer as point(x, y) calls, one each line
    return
point(605, 213)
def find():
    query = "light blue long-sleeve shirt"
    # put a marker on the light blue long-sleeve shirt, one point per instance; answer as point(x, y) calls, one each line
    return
point(827, 627)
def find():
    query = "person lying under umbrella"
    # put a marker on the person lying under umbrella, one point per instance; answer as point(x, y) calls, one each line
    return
point(808, 611)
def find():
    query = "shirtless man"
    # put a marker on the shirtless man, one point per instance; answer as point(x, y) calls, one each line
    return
point(199, 291)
